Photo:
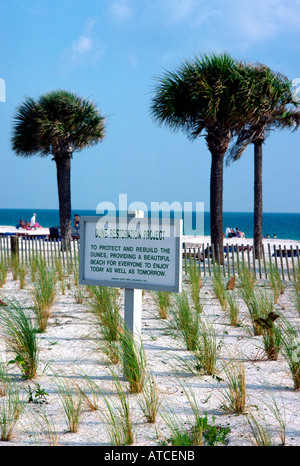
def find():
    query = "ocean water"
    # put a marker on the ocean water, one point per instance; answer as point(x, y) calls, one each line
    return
point(284, 225)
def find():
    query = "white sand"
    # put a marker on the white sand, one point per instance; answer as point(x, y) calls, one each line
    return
point(245, 241)
point(189, 239)
point(67, 347)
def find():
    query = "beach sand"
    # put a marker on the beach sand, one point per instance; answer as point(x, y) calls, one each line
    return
point(189, 239)
point(67, 348)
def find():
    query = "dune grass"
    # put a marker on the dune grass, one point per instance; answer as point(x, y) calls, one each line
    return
point(234, 386)
point(208, 348)
point(162, 301)
point(117, 416)
point(104, 305)
point(150, 400)
point(19, 334)
point(134, 361)
point(71, 399)
point(43, 292)
point(11, 409)
point(219, 287)
point(232, 307)
point(186, 320)
point(3, 272)
point(291, 350)
point(195, 283)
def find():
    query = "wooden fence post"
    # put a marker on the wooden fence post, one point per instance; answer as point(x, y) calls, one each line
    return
point(14, 247)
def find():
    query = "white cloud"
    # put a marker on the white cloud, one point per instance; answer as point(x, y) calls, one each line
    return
point(83, 45)
point(258, 20)
point(86, 50)
point(121, 10)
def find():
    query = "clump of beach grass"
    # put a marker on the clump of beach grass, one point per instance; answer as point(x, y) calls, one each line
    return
point(3, 272)
point(195, 431)
point(60, 273)
point(261, 430)
point(44, 292)
point(14, 266)
point(22, 272)
point(45, 429)
point(246, 283)
point(296, 288)
point(19, 334)
point(208, 348)
point(11, 409)
point(162, 300)
point(279, 413)
point(195, 283)
point(276, 282)
point(4, 379)
point(104, 305)
point(232, 307)
point(264, 316)
point(134, 360)
point(150, 400)
point(291, 350)
point(186, 320)
point(261, 308)
point(71, 399)
point(234, 386)
point(37, 262)
point(79, 294)
point(76, 272)
point(219, 287)
point(117, 416)
point(90, 391)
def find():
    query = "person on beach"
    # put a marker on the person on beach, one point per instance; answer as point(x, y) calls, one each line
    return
point(33, 221)
point(76, 221)
point(21, 224)
point(239, 234)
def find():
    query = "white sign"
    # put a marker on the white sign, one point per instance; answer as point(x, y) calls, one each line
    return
point(136, 253)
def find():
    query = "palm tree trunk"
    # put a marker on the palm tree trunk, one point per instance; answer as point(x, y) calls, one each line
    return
point(63, 166)
point(258, 196)
point(216, 204)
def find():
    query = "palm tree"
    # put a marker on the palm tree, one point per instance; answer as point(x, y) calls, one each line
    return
point(272, 101)
point(206, 95)
point(58, 123)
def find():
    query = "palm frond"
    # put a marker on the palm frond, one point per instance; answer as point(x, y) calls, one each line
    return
point(57, 122)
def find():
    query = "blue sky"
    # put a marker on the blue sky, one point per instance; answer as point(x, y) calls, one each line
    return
point(111, 51)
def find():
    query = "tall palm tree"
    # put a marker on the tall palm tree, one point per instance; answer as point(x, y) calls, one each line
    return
point(58, 124)
point(272, 99)
point(205, 96)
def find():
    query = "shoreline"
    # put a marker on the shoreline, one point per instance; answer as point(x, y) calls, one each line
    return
point(188, 239)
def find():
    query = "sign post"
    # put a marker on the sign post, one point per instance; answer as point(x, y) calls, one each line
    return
point(133, 253)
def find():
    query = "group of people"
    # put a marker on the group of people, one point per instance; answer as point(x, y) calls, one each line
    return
point(234, 233)
point(31, 225)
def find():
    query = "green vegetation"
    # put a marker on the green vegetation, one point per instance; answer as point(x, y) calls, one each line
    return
point(163, 301)
point(19, 334)
point(43, 293)
point(133, 394)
